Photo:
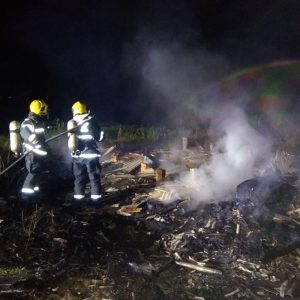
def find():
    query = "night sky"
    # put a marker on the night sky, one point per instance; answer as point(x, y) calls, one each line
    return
point(97, 51)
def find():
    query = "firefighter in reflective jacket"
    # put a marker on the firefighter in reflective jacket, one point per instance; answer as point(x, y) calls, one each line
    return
point(85, 155)
point(33, 140)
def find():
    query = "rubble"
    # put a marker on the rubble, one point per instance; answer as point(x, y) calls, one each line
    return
point(145, 242)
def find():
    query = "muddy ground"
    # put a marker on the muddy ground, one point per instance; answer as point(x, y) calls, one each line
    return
point(139, 245)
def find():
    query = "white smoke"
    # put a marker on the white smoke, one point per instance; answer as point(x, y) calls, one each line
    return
point(174, 76)
point(170, 76)
point(181, 82)
point(236, 153)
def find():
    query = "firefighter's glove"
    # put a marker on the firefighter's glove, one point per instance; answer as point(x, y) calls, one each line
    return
point(76, 153)
point(101, 136)
point(17, 154)
point(32, 139)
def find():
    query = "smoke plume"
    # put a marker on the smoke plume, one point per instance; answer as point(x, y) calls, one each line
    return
point(236, 152)
point(169, 76)
point(179, 81)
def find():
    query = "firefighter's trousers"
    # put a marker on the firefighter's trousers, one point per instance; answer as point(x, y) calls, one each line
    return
point(35, 168)
point(87, 170)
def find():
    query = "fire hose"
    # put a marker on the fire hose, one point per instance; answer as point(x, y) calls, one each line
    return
point(47, 141)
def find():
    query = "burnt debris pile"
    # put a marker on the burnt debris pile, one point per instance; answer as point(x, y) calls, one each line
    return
point(149, 240)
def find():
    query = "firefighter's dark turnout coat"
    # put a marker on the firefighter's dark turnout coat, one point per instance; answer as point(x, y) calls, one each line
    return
point(86, 164)
point(33, 138)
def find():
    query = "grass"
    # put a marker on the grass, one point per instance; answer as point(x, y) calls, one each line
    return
point(6, 158)
point(123, 133)
point(5, 155)
point(30, 223)
point(55, 127)
point(290, 144)
point(13, 272)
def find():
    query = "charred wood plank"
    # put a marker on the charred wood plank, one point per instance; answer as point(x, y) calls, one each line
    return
point(199, 268)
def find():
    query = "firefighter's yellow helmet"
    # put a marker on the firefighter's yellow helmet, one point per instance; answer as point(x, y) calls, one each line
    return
point(39, 107)
point(79, 108)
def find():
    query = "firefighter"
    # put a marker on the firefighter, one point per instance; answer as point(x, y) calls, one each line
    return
point(84, 152)
point(34, 146)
